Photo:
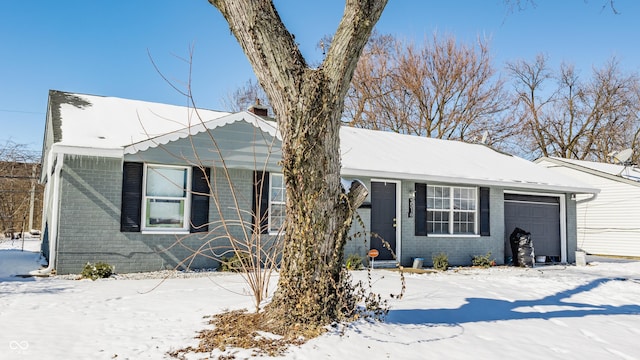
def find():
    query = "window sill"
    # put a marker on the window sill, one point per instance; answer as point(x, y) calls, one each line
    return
point(164, 231)
point(454, 235)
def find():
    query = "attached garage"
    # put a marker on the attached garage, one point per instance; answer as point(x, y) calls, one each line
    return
point(541, 215)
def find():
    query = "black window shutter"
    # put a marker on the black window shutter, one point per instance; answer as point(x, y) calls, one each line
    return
point(484, 212)
point(421, 209)
point(131, 207)
point(200, 199)
point(260, 201)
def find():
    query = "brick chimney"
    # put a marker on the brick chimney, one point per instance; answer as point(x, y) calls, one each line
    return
point(259, 109)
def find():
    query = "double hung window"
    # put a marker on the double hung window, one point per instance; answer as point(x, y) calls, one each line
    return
point(165, 198)
point(276, 202)
point(452, 210)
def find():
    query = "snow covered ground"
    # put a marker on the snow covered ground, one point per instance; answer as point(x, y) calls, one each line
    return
point(548, 312)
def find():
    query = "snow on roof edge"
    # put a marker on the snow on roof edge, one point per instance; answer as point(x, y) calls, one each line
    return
point(346, 172)
point(86, 120)
point(377, 153)
point(582, 165)
point(86, 151)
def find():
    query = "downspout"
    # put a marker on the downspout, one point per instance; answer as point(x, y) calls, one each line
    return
point(54, 190)
point(582, 201)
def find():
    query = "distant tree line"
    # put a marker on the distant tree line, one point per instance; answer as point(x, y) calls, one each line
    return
point(20, 193)
point(446, 89)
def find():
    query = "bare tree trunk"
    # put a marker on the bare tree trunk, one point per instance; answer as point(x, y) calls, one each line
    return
point(312, 290)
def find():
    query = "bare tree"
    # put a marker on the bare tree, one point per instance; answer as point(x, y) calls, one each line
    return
point(616, 107)
point(453, 84)
point(634, 135)
point(375, 100)
point(575, 119)
point(20, 195)
point(233, 235)
point(246, 96)
point(308, 104)
point(529, 78)
point(443, 89)
point(521, 5)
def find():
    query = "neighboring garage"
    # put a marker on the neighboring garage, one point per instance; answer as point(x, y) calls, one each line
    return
point(540, 215)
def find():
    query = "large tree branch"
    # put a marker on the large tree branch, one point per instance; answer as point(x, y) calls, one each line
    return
point(358, 20)
point(270, 48)
point(276, 59)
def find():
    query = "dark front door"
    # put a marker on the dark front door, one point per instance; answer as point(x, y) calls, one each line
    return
point(539, 215)
point(383, 218)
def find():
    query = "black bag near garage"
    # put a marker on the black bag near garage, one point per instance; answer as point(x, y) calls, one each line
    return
point(522, 248)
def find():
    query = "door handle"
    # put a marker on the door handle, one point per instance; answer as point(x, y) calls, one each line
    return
point(394, 222)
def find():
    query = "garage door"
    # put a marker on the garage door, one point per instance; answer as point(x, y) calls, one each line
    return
point(539, 215)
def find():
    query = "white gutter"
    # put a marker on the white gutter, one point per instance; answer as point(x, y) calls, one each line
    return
point(112, 152)
point(505, 183)
point(589, 199)
point(53, 185)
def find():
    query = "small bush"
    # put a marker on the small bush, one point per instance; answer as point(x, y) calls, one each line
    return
point(100, 270)
point(484, 261)
point(440, 261)
point(235, 263)
point(353, 262)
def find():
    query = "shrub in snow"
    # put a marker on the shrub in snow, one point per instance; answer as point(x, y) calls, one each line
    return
point(239, 262)
point(100, 270)
point(353, 262)
point(440, 261)
point(484, 261)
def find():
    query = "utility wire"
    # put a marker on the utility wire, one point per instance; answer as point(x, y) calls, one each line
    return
point(21, 111)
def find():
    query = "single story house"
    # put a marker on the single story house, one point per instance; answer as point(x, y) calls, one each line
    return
point(609, 223)
point(126, 183)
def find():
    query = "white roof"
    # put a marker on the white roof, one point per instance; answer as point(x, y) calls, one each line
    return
point(268, 127)
point(396, 156)
point(111, 123)
point(112, 126)
point(617, 170)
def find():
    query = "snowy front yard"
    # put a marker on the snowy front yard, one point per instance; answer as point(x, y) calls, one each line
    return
point(547, 312)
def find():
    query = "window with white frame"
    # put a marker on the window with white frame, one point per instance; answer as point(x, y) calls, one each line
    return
point(452, 210)
point(276, 202)
point(165, 197)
